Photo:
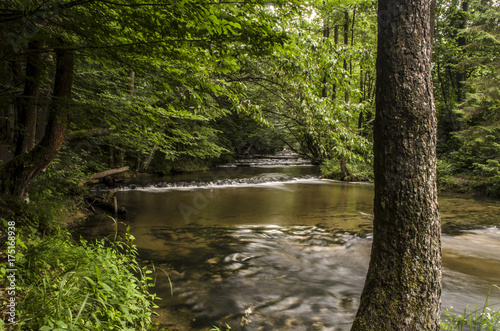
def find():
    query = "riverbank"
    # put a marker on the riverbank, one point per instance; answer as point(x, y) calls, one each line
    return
point(448, 179)
point(487, 187)
point(52, 279)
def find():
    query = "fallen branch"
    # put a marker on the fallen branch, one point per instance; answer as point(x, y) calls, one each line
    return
point(110, 172)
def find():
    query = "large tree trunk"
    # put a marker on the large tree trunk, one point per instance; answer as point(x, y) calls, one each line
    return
point(29, 99)
point(42, 117)
point(403, 286)
point(12, 79)
point(18, 174)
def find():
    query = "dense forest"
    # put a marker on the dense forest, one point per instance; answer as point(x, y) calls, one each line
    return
point(173, 86)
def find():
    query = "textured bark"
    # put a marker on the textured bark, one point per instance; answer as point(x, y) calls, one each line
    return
point(29, 99)
point(403, 286)
point(18, 174)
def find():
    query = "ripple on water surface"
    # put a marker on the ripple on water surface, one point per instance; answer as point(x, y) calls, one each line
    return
point(290, 277)
point(226, 257)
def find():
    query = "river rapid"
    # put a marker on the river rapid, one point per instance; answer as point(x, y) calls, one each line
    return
point(277, 248)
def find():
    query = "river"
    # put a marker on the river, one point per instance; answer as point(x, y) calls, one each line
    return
point(288, 248)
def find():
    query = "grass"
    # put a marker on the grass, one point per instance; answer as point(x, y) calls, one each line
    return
point(64, 284)
point(480, 319)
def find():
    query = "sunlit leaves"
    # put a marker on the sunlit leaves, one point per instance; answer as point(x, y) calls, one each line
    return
point(290, 84)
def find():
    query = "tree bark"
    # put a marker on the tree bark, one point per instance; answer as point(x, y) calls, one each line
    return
point(346, 42)
point(462, 42)
point(336, 41)
point(29, 99)
point(42, 118)
point(15, 81)
point(343, 161)
point(403, 285)
point(18, 174)
point(131, 88)
point(326, 35)
point(110, 172)
point(6, 77)
point(150, 157)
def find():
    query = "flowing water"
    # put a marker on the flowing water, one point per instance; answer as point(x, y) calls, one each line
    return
point(286, 247)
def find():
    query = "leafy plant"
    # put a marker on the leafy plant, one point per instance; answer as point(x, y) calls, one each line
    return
point(244, 321)
point(86, 286)
point(358, 171)
point(479, 319)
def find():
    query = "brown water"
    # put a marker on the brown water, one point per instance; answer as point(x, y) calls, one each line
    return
point(291, 248)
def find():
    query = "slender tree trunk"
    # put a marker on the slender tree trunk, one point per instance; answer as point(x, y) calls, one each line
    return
point(362, 88)
point(445, 98)
point(352, 39)
point(131, 88)
point(346, 42)
point(336, 41)
point(29, 99)
point(462, 42)
point(111, 156)
point(326, 35)
point(343, 161)
point(403, 286)
point(150, 157)
point(18, 174)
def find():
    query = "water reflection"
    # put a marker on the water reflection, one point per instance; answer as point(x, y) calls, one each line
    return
point(294, 250)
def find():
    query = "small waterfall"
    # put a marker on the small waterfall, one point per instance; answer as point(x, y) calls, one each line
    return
point(244, 171)
point(269, 161)
point(269, 178)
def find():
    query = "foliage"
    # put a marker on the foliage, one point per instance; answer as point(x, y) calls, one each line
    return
point(88, 286)
point(358, 171)
point(306, 92)
point(149, 76)
point(479, 319)
point(467, 47)
point(444, 176)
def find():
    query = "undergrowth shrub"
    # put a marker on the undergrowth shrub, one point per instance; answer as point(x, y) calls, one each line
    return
point(83, 286)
